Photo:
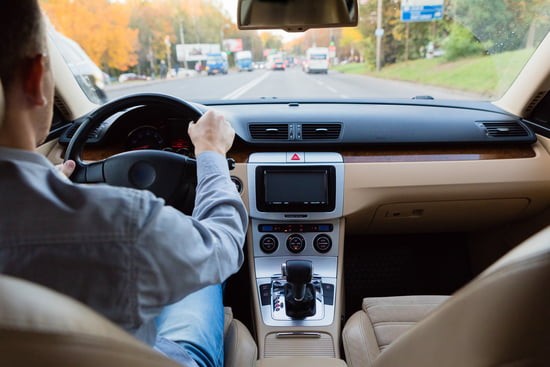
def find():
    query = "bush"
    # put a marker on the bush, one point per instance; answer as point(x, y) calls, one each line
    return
point(462, 43)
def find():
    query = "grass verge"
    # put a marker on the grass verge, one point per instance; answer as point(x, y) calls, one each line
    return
point(486, 75)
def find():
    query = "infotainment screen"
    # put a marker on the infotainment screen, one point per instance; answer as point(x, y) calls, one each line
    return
point(295, 189)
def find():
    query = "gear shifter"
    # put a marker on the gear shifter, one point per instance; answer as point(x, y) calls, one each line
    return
point(299, 292)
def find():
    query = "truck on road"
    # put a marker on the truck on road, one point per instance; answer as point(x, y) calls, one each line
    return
point(243, 59)
point(316, 60)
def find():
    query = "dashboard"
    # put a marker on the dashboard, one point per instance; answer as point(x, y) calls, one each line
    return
point(407, 166)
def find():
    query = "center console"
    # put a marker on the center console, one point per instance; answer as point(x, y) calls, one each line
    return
point(295, 204)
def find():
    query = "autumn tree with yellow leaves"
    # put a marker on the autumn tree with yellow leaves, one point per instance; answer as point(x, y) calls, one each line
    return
point(100, 27)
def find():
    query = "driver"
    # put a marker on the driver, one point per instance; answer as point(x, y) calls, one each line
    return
point(146, 266)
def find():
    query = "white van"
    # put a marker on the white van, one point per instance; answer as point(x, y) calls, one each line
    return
point(316, 60)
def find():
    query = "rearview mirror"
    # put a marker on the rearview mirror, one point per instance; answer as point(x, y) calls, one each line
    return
point(296, 15)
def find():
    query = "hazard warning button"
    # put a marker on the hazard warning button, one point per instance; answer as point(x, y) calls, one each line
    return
point(295, 157)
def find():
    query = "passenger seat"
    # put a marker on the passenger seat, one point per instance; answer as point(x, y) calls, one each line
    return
point(380, 322)
point(501, 318)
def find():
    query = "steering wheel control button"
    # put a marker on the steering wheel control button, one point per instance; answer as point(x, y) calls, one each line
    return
point(322, 243)
point(269, 244)
point(295, 243)
point(142, 175)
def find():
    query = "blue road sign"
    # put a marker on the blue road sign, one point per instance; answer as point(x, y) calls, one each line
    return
point(420, 13)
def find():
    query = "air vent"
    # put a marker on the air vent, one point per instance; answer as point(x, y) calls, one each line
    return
point(321, 131)
point(269, 131)
point(504, 129)
point(93, 135)
point(62, 107)
point(535, 101)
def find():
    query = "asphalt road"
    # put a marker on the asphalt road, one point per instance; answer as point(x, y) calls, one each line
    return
point(292, 83)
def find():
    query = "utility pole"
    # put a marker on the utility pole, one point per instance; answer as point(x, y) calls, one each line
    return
point(407, 32)
point(379, 34)
point(182, 40)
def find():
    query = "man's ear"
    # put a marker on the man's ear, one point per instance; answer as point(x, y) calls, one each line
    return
point(33, 77)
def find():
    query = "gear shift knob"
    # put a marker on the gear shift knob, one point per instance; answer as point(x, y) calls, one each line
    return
point(299, 274)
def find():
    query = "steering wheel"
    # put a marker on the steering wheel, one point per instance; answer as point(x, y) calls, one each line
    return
point(168, 175)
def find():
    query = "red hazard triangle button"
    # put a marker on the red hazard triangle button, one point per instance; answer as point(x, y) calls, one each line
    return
point(295, 157)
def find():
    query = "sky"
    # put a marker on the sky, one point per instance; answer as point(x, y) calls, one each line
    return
point(230, 7)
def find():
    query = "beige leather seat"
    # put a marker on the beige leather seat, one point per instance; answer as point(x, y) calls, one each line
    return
point(502, 318)
point(40, 327)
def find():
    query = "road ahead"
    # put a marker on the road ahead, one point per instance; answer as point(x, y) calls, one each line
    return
point(292, 83)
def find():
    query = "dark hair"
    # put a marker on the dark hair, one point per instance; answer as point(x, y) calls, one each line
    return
point(21, 35)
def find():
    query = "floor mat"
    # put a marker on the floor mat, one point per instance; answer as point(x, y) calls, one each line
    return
point(378, 266)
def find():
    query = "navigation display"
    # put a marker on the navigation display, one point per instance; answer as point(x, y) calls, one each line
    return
point(293, 189)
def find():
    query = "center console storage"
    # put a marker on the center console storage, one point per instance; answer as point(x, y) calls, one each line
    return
point(301, 362)
point(295, 243)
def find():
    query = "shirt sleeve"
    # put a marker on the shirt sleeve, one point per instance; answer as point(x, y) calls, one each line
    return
point(176, 254)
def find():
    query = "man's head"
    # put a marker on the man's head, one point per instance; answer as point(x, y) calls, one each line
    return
point(25, 74)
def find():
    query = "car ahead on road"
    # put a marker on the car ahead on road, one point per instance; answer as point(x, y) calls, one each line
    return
point(278, 64)
point(379, 194)
point(128, 77)
point(216, 63)
point(259, 65)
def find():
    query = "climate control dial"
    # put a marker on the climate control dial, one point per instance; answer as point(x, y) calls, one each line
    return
point(322, 243)
point(295, 243)
point(269, 243)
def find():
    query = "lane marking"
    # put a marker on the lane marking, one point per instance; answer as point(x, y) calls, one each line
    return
point(245, 88)
point(332, 89)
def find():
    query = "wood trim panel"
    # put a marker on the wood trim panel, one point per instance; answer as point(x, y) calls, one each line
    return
point(442, 154)
point(241, 153)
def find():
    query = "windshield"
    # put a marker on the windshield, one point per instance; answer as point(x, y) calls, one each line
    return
point(446, 49)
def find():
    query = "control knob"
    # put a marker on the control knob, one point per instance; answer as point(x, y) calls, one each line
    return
point(269, 243)
point(295, 243)
point(322, 243)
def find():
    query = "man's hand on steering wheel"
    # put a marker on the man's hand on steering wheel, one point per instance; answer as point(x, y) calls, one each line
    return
point(211, 133)
point(66, 168)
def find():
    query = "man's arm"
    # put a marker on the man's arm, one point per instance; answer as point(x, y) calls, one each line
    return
point(179, 254)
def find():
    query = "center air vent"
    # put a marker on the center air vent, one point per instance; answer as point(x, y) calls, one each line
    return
point(269, 131)
point(500, 129)
point(321, 131)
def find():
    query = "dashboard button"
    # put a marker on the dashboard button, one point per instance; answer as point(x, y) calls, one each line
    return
point(295, 157)
point(295, 243)
point(269, 244)
point(322, 243)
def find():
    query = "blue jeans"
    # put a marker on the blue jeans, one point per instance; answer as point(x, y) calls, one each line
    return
point(193, 327)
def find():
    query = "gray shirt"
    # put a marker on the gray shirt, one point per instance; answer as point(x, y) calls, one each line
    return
point(118, 250)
